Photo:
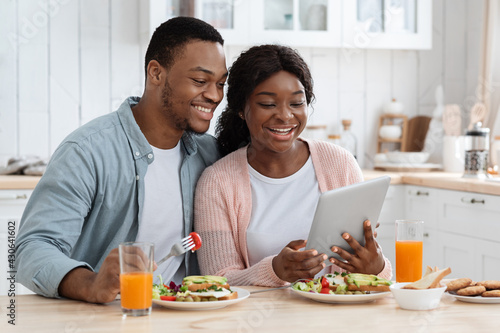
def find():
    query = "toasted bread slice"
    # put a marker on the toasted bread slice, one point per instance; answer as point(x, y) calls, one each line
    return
point(431, 280)
point(353, 287)
point(233, 295)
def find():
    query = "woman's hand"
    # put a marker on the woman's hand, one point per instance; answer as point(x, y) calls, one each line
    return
point(291, 264)
point(367, 259)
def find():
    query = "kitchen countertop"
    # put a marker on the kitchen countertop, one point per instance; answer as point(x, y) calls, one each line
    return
point(18, 182)
point(273, 311)
point(439, 179)
point(436, 179)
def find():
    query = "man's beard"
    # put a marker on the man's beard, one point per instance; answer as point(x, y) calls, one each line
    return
point(168, 111)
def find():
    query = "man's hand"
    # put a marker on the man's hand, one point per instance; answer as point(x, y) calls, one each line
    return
point(291, 264)
point(85, 285)
point(367, 259)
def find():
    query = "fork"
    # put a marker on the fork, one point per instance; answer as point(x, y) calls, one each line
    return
point(179, 248)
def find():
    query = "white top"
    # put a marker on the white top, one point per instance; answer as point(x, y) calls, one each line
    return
point(161, 220)
point(282, 210)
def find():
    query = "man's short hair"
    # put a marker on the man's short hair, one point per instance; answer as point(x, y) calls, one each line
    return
point(170, 37)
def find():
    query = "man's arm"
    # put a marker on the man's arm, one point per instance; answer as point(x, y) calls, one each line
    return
point(85, 285)
point(53, 219)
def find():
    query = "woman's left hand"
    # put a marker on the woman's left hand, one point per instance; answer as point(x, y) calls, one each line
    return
point(366, 260)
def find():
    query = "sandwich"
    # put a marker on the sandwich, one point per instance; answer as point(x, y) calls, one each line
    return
point(366, 282)
point(206, 288)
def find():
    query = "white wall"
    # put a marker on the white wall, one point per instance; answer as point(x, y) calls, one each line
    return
point(64, 62)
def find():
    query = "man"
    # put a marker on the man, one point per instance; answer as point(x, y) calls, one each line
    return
point(129, 175)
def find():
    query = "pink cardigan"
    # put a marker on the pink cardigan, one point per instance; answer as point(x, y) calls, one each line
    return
point(223, 205)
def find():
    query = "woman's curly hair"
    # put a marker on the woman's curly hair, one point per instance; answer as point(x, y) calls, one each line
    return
point(251, 68)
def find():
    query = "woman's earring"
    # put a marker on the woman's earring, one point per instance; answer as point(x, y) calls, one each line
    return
point(241, 115)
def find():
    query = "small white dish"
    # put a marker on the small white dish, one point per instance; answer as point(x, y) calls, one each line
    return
point(407, 157)
point(417, 299)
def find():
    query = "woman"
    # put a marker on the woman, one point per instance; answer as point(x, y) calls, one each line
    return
point(254, 207)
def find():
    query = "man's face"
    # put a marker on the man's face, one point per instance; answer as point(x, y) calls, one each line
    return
point(195, 86)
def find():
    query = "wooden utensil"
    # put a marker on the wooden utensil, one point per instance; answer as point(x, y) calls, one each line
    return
point(452, 120)
point(417, 130)
point(477, 114)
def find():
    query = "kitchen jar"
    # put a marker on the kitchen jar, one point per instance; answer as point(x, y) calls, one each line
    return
point(477, 146)
point(495, 155)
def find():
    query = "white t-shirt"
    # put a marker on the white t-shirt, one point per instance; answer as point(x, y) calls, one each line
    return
point(161, 221)
point(282, 210)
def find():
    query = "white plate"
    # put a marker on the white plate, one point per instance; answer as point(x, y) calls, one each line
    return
point(476, 299)
point(408, 167)
point(242, 294)
point(345, 299)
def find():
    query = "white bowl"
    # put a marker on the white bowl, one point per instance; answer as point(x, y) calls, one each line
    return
point(413, 299)
point(407, 157)
point(390, 132)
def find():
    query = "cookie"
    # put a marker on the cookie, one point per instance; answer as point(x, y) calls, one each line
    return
point(458, 284)
point(490, 284)
point(491, 293)
point(471, 291)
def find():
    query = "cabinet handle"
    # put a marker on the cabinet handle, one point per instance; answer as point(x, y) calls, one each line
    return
point(422, 193)
point(426, 234)
point(473, 201)
point(13, 196)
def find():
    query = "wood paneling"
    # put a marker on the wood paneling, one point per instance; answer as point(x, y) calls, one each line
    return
point(72, 61)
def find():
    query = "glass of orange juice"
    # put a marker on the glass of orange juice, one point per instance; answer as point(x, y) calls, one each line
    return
point(136, 278)
point(409, 249)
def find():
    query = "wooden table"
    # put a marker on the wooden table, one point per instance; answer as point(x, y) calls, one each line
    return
point(273, 311)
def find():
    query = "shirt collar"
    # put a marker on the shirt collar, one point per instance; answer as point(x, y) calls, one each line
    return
point(138, 142)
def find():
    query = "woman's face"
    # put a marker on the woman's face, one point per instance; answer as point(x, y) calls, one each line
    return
point(276, 112)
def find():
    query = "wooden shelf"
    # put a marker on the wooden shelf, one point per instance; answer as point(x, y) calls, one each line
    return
point(387, 119)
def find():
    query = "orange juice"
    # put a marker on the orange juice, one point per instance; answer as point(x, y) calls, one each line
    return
point(136, 290)
point(408, 261)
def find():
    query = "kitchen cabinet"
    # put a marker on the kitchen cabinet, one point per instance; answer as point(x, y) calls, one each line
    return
point(308, 23)
point(244, 22)
point(392, 210)
point(469, 226)
point(421, 203)
point(387, 24)
point(461, 229)
point(12, 203)
point(304, 23)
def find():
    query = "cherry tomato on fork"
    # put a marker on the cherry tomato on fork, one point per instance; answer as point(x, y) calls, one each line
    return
point(196, 240)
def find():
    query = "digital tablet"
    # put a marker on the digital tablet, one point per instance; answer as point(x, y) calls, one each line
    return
point(344, 210)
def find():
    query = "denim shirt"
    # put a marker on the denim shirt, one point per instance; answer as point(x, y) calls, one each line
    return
point(90, 198)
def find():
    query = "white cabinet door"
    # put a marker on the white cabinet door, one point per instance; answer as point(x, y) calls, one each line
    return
point(458, 253)
point(386, 24)
point(230, 17)
point(392, 210)
point(487, 260)
point(472, 214)
point(308, 23)
point(421, 203)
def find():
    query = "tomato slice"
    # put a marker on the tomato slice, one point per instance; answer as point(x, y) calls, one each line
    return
point(196, 240)
point(325, 290)
point(167, 298)
point(324, 283)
